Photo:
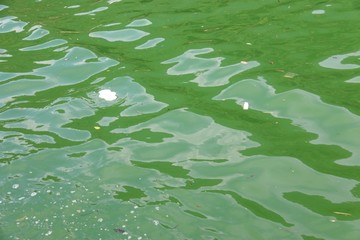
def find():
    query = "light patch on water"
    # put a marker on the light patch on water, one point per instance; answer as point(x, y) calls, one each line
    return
point(318, 11)
point(92, 12)
point(2, 7)
point(319, 117)
point(188, 62)
point(150, 43)
point(208, 71)
point(354, 80)
point(37, 32)
point(139, 23)
point(335, 62)
point(72, 6)
point(123, 35)
point(9, 24)
point(113, 1)
point(50, 44)
point(133, 96)
point(212, 140)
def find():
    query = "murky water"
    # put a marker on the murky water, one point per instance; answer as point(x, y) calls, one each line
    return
point(169, 150)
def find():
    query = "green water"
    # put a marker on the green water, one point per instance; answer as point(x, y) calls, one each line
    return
point(175, 155)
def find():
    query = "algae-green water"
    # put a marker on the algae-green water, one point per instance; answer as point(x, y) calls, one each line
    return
point(234, 119)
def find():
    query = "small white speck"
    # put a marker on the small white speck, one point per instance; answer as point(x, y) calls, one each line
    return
point(48, 233)
point(15, 186)
point(318, 11)
point(246, 106)
point(156, 222)
point(135, 207)
point(33, 194)
point(100, 220)
point(157, 208)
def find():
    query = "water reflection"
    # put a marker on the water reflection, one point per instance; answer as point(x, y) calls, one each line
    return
point(208, 72)
point(168, 159)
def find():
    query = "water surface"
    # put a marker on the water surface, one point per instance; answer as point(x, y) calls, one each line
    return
point(175, 155)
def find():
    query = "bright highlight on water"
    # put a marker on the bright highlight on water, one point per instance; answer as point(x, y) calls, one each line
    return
point(107, 95)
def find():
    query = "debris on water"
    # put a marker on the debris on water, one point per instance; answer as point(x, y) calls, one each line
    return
point(107, 95)
point(244, 62)
point(119, 230)
point(156, 222)
point(15, 186)
point(246, 106)
point(33, 194)
point(290, 75)
point(343, 213)
point(97, 128)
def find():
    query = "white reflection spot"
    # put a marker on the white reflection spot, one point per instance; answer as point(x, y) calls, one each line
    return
point(107, 95)
point(318, 11)
point(246, 106)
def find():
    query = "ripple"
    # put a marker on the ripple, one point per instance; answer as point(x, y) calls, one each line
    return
point(50, 44)
point(37, 32)
point(7, 24)
point(92, 12)
point(139, 23)
point(335, 62)
point(40, 123)
point(208, 72)
point(150, 43)
point(332, 124)
point(194, 136)
point(2, 7)
point(132, 96)
point(123, 35)
point(76, 66)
